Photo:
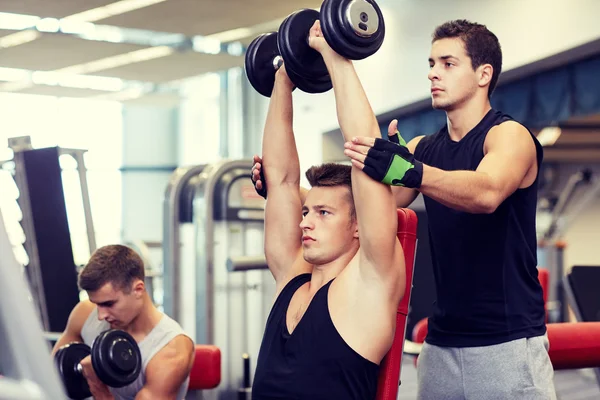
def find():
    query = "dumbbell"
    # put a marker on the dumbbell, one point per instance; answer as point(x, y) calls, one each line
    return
point(116, 360)
point(353, 28)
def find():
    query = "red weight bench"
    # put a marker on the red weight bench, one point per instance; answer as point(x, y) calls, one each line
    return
point(206, 371)
point(573, 345)
point(389, 373)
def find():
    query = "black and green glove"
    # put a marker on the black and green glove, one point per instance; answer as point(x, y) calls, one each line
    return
point(390, 162)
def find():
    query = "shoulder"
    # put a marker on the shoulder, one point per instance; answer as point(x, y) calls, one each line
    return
point(178, 349)
point(80, 314)
point(510, 134)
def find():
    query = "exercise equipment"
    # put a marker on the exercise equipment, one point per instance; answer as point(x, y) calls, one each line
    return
point(213, 215)
point(353, 28)
point(116, 360)
point(572, 345)
point(263, 59)
point(303, 64)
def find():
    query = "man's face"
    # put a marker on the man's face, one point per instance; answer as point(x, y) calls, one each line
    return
point(328, 230)
point(115, 306)
point(453, 80)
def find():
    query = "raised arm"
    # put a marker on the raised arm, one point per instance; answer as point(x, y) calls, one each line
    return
point(381, 254)
point(281, 168)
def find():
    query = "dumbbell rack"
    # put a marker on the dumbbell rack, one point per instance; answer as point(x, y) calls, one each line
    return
point(47, 243)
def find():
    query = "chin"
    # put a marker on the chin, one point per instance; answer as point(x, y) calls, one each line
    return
point(440, 106)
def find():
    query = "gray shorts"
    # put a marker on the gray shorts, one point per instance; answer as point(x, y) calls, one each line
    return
point(519, 369)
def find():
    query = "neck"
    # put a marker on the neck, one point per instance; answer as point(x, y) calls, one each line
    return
point(323, 273)
point(147, 319)
point(463, 119)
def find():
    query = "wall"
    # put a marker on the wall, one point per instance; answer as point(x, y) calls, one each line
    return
point(149, 157)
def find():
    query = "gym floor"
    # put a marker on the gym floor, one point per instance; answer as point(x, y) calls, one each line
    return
point(570, 385)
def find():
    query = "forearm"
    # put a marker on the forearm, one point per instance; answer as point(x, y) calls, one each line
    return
point(280, 156)
point(468, 191)
point(102, 394)
point(355, 116)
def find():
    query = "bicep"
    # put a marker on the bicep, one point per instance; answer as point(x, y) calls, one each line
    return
point(167, 370)
point(283, 214)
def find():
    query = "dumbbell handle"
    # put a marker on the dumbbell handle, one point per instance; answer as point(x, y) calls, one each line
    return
point(277, 62)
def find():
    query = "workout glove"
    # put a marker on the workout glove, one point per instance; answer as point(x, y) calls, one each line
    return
point(390, 162)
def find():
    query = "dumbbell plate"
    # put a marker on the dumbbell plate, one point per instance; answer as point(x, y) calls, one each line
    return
point(347, 33)
point(259, 63)
point(66, 360)
point(116, 358)
point(292, 38)
point(308, 85)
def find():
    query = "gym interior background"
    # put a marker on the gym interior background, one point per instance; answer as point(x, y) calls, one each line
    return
point(149, 86)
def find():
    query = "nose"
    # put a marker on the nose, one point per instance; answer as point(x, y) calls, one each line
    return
point(306, 222)
point(433, 74)
point(102, 314)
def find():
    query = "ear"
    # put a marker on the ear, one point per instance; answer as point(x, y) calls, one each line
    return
point(485, 73)
point(139, 287)
point(355, 234)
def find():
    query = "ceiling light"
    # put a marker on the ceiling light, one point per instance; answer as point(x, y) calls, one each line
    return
point(17, 22)
point(18, 38)
point(117, 8)
point(118, 61)
point(48, 25)
point(13, 74)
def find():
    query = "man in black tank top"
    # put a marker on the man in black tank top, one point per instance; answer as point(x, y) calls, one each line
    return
point(333, 251)
point(479, 179)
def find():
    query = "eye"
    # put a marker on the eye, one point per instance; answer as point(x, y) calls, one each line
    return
point(323, 212)
point(449, 64)
point(304, 213)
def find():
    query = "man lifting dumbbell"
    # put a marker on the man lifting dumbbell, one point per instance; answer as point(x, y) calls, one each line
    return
point(337, 262)
point(136, 350)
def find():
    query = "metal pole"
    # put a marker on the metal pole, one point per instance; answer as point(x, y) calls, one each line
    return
point(24, 354)
point(85, 194)
point(171, 241)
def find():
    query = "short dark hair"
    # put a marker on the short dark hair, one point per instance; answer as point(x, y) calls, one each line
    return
point(115, 264)
point(481, 44)
point(332, 174)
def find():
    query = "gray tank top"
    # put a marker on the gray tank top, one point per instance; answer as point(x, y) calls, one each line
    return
point(165, 331)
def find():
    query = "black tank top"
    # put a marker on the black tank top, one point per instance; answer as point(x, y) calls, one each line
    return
point(484, 265)
point(314, 362)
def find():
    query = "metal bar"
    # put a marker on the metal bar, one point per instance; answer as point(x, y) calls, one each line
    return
point(575, 180)
point(11, 389)
point(171, 240)
point(24, 354)
point(85, 193)
point(246, 263)
point(214, 174)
